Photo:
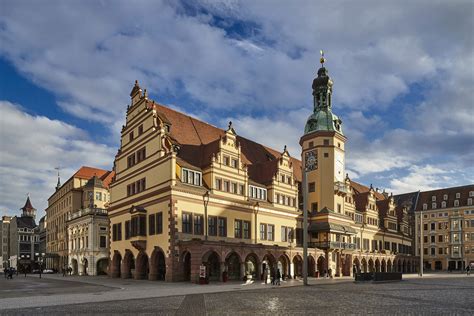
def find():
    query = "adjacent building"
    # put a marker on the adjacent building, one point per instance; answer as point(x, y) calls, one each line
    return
point(24, 239)
point(68, 198)
point(447, 227)
point(88, 231)
point(5, 241)
point(189, 199)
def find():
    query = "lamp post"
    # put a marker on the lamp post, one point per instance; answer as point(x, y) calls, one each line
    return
point(40, 257)
point(310, 163)
point(421, 243)
point(205, 198)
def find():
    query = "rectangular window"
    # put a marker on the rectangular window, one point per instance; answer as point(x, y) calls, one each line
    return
point(235, 163)
point(311, 187)
point(284, 236)
point(159, 223)
point(212, 229)
point(191, 177)
point(226, 160)
point(440, 238)
point(222, 226)
point(241, 189)
point(198, 224)
point(271, 232)
point(119, 231)
point(246, 230)
point(257, 192)
point(218, 184)
point(326, 142)
point(130, 136)
point(226, 186)
point(103, 242)
point(151, 224)
point(263, 231)
point(98, 196)
point(140, 129)
point(237, 228)
point(187, 223)
point(234, 187)
point(131, 160)
point(141, 154)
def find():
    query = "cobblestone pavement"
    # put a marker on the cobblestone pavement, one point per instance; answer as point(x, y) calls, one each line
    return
point(428, 296)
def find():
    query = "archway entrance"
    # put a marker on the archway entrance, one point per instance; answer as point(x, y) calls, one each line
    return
point(377, 265)
point(187, 266)
point(356, 265)
point(298, 266)
point(85, 266)
point(232, 263)
point(158, 265)
point(284, 266)
point(322, 265)
point(389, 266)
point(128, 265)
point(311, 266)
point(116, 262)
point(251, 266)
point(371, 266)
point(141, 267)
point(75, 269)
point(383, 267)
point(364, 265)
point(102, 266)
point(213, 265)
point(268, 267)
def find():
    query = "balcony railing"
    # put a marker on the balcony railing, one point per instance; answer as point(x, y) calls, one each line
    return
point(87, 211)
point(340, 187)
point(333, 245)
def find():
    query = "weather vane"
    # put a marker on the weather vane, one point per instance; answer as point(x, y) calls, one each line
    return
point(322, 59)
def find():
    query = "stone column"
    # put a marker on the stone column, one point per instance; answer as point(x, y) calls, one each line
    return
point(242, 270)
point(292, 270)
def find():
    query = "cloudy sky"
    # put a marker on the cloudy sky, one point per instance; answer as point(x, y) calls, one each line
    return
point(403, 75)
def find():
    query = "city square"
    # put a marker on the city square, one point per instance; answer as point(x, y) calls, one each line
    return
point(433, 294)
point(233, 157)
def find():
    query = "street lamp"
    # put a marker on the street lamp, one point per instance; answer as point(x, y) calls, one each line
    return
point(40, 257)
point(421, 243)
point(310, 163)
point(205, 198)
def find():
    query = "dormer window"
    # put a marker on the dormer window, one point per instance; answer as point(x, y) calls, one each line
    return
point(425, 207)
point(456, 203)
point(235, 163)
point(433, 198)
point(226, 160)
point(257, 192)
point(458, 195)
point(191, 177)
point(445, 197)
point(469, 201)
point(433, 205)
point(471, 193)
point(443, 204)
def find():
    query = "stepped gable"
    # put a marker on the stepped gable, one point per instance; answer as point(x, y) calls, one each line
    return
point(199, 141)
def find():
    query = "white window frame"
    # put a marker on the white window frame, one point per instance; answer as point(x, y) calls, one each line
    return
point(191, 177)
point(257, 192)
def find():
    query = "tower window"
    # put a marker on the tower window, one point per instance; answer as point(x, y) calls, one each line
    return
point(311, 187)
point(326, 155)
point(311, 145)
point(326, 142)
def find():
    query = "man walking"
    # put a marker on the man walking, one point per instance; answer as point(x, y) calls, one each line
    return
point(468, 270)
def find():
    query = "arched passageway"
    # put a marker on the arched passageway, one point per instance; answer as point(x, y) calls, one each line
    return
point(232, 264)
point(213, 265)
point(157, 265)
point(101, 266)
point(85, 267)
point(128, 264)
point(364, 266)
point(371, 266)
point(389, 266)
point(251, 267)
point(284, 266)
point(321, 265)
point(186, 266)
point(268, 267)
point(116, 265)
point(141, 266)
point(75, 269)
point(298, 266)
point(383, 267)
point(311, 266)
point(356, 265)
point(377, 265)
point(404, 267)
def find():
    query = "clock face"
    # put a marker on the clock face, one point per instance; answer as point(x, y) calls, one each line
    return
point(339, 166)
point(311, 160)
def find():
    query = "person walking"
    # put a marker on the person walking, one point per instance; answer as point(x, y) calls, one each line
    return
point(5, 272)
point(265, 275)
point(468, 270)
point(278, 277)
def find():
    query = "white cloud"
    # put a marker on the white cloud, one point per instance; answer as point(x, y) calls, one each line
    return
point(32, 147)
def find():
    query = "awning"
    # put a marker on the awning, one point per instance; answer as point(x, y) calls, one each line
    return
point(316, 227)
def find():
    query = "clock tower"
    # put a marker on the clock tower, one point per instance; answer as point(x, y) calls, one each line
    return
point(323, 153)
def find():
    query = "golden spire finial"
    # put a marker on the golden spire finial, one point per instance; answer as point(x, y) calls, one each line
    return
point(322, 59)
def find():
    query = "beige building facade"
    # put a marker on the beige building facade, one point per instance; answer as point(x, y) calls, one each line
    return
point(68, 198)
point(190, 200)
point(447, 228)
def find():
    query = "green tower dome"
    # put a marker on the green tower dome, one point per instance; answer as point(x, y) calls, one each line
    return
point(322, 118)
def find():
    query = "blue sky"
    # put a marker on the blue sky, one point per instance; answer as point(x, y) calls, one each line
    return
point(402, 71)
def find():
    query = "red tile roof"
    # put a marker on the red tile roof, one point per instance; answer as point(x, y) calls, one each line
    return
point(199, 141)
point(426, 197)
point(88, 172)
